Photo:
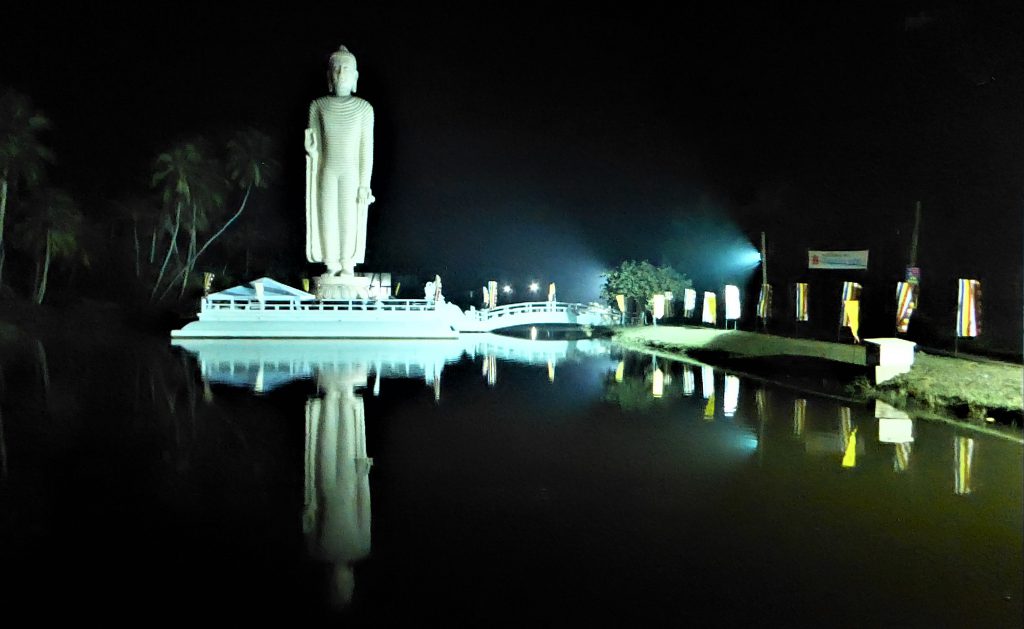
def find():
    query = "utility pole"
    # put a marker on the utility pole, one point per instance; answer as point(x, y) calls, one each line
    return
point(764, 254)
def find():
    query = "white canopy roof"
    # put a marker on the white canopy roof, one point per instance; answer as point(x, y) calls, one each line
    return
point(272, 290)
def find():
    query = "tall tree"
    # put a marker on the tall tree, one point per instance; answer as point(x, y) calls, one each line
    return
point(250, 166)
point(22, 153)
point(188, 186)
point(641, 280)
point(49, 231)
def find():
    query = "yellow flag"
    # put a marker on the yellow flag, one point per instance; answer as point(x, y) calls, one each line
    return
point(853, 318)
point(620, 300)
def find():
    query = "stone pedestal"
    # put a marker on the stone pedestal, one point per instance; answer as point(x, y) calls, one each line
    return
point(342, 287)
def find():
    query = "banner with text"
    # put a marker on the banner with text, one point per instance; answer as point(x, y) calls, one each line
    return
point(851, 260)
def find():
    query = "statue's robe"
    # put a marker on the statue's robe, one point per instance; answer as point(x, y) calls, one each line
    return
point(339, 164)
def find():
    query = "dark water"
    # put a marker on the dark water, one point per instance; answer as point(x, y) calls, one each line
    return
point(488, 481)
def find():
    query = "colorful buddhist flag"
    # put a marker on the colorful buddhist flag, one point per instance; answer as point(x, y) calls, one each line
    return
point(658, 311)
point(710, 314)
point(689, 302)
point(904, 305)
point(732, 302)
point(551, 292)
point(492, 294)
point(764, 303)
point(849, 315)
point(968, 311)
point(801, 302)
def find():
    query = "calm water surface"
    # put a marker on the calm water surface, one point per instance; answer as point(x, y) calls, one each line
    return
point(488, 480)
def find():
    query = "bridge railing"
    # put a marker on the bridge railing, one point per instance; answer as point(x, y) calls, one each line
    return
point(527, 307)
point(243, 303)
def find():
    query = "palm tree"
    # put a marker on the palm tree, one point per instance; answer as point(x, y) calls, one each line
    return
point(22, 155)
point(251, 166)
point(183, 175)
point(50, 231)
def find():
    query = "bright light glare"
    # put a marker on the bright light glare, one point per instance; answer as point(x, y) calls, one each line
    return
point(750, 257)
point(506, 289)
point(534, 287)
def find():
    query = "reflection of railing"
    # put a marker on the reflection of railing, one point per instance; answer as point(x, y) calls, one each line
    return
point(528, 307)
point(289, 305)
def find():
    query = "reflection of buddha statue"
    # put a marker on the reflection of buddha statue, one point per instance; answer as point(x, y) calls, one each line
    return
point(339, 148)
point(336, 521)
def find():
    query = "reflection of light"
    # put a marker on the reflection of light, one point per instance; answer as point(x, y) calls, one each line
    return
point(688, 381)
point(707, 381)
point(658, 387)
point(533, 333)
point(748, 442)
point(732, 395)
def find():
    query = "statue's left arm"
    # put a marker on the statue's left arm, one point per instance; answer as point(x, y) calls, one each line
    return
point(365, 195)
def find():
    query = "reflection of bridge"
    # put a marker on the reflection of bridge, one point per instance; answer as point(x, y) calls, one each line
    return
point(534, 313)
point(265, 364)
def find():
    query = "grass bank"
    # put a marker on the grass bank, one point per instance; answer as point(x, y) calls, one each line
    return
point(962, 389)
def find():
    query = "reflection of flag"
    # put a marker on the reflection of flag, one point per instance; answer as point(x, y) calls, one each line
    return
point(850, 455)
point(732, 302)
point(710, 308)
point(904, 305)
point(709, 408)
point(689, 302)
point(760, 402)
point(551, 370)
point(620, 370)
point(764, 302)
point(963, 455)
point(732, 395)
point(658, 386)
point(799, 417)
point(901, 460)
point(968, 311)
point(688, 381)
point(707, 381)
point(801, 302)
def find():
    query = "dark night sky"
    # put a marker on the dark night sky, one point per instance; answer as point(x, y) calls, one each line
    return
point(549, 144)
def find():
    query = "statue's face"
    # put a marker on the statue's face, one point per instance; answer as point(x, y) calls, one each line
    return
point(343, 76)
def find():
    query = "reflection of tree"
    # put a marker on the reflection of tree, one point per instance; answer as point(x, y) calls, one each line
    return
point(635, 392)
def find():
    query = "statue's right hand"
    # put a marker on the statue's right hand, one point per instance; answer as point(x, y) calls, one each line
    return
point(310, 142)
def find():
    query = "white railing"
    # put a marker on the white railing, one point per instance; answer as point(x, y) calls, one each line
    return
point(529, 307)
point(355, 305)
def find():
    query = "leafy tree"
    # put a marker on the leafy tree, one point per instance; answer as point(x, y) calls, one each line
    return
point(195, 188)
point(640, 281)
point(50, 231)
point(22, 154)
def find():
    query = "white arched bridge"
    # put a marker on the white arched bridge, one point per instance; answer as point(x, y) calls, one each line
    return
point(534, 313)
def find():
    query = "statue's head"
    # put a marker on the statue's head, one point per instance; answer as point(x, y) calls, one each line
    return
point(342, 74)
